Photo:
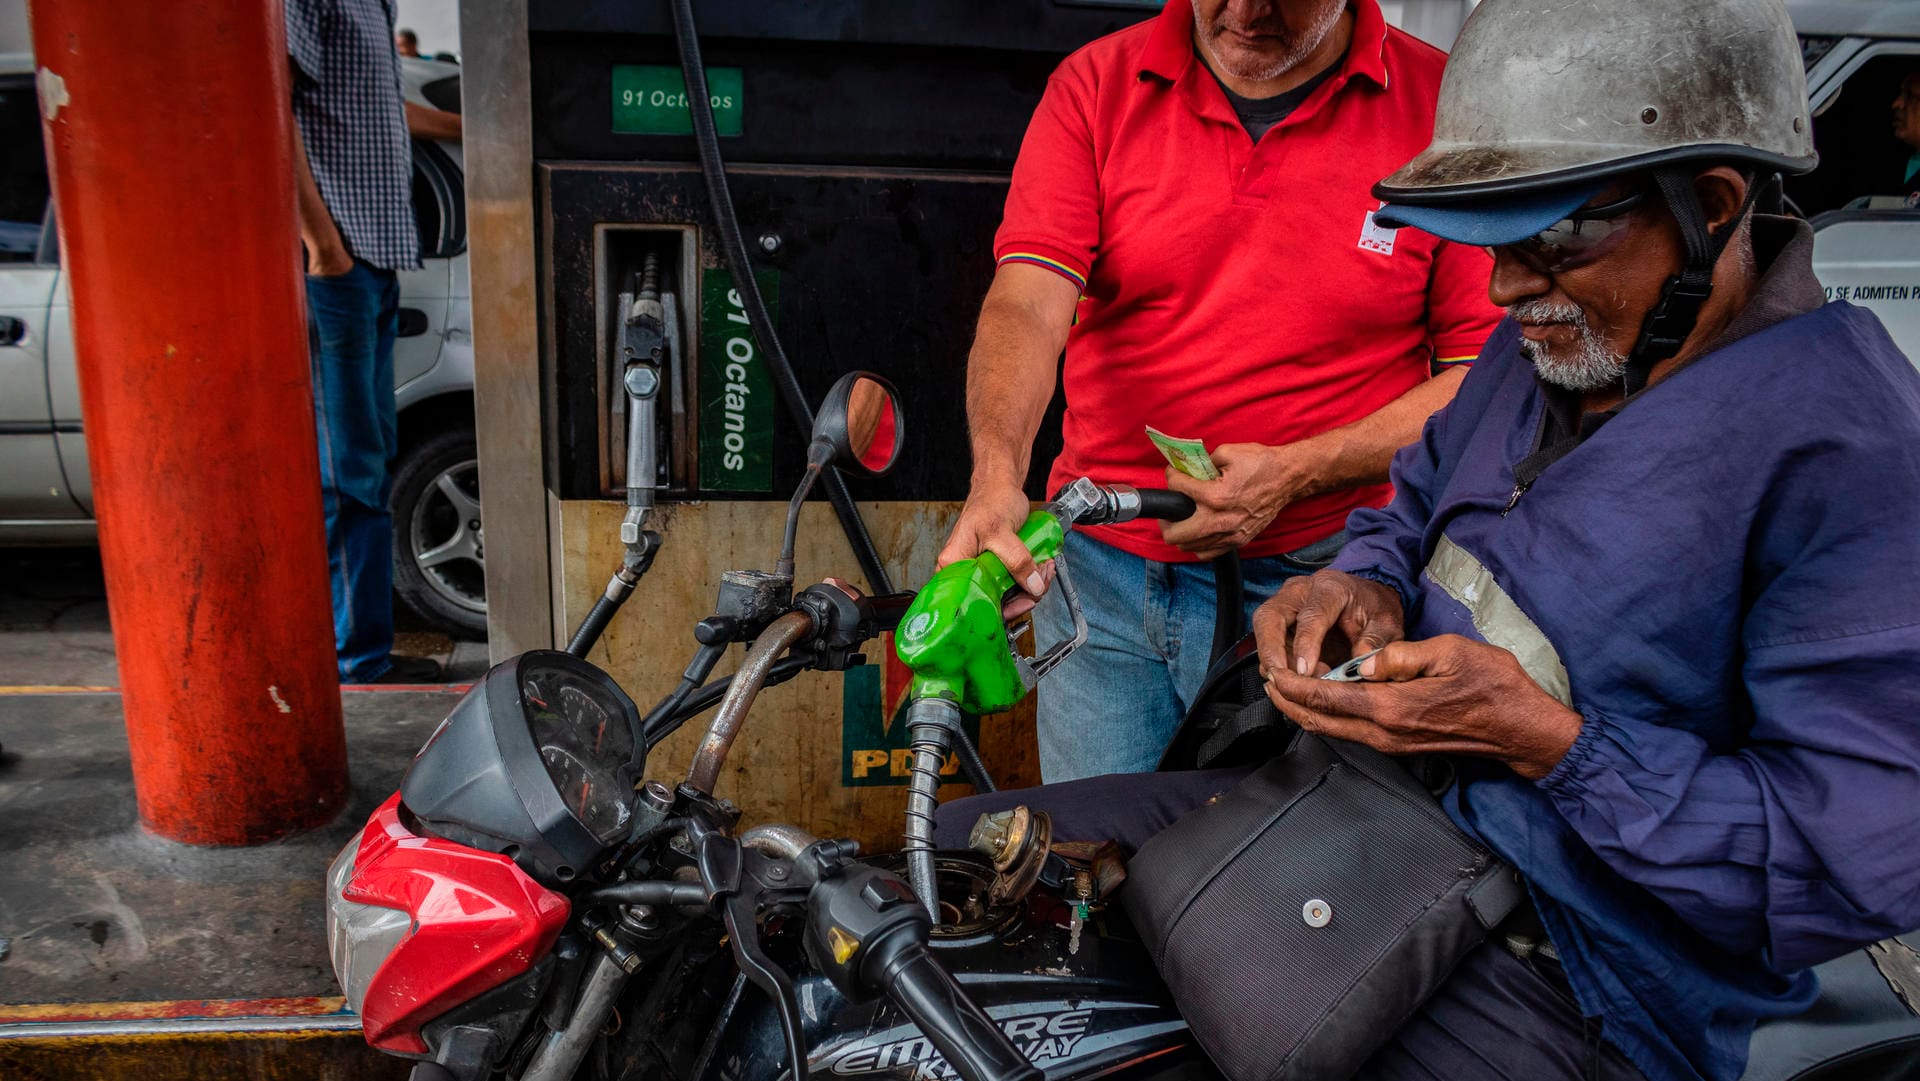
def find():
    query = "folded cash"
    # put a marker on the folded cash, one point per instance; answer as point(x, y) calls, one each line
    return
point(1189, 456)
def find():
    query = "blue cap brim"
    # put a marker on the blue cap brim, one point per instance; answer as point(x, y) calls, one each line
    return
point(1501, 220)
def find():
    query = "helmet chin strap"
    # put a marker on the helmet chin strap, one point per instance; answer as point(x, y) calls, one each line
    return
point(1673, 318)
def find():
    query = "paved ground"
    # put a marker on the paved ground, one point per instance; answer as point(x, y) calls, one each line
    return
point(92, 908)
point(54, 630)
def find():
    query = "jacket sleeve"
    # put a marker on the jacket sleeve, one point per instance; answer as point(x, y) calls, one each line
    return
point(1383, 543)
point(1799, 840)
point(1800, 843)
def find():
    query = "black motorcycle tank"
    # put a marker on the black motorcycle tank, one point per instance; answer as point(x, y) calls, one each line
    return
point(1100, 1011)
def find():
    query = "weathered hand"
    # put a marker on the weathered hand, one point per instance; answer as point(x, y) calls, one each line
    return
point(1256, 482)
point(1023, 602)
point(988, 523)
point(1291, 629)
point(1449, 695)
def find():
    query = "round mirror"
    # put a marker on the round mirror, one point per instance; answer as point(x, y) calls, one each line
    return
point(873, 432)
point(861, 421)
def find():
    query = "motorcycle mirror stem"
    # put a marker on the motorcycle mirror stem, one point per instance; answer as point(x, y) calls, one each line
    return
point(819, 456)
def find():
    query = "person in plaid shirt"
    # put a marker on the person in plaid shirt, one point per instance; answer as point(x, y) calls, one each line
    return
point(354, 168)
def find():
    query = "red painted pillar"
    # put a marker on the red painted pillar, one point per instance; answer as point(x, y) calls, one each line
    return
point(168, 131)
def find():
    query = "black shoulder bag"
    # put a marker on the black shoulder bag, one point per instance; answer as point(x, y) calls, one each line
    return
point(1304, 915)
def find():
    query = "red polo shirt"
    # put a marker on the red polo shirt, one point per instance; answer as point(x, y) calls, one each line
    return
point(1232, 291)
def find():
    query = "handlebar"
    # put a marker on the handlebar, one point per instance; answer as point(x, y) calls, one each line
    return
point(913, 980)
point(889, 609)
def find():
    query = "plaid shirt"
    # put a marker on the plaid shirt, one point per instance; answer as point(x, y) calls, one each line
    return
point(347, 101)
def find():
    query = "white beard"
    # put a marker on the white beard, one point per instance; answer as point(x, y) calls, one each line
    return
point(1297, 47)
point(1592, 365)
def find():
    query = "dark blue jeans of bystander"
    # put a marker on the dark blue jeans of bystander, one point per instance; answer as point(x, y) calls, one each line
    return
point(352, 321)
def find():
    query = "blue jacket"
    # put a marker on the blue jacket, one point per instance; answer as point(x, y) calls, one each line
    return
point(1724, 581)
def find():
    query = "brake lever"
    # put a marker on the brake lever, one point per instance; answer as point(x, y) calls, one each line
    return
point(722, 864)
point(743, 932)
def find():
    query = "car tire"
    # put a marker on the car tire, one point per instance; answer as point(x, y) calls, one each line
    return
point(439, 549)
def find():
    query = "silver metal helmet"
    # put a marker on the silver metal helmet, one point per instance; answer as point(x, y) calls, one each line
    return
point(1546, 93)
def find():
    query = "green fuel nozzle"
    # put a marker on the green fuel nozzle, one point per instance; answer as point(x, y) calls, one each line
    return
point(954, 638)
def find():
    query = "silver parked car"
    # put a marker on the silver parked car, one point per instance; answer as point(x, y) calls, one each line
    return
point(45, 494)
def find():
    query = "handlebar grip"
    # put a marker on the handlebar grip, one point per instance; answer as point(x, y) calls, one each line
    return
point(962, 1032)
point(889, 609)
point(1165, 505)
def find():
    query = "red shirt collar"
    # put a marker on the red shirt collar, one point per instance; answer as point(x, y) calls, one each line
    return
point(1168, 51)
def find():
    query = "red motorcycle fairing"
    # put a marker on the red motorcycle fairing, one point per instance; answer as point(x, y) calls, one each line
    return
point(473, 921)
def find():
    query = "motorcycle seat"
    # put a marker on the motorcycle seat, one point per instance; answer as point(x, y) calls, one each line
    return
point(1859, 1029)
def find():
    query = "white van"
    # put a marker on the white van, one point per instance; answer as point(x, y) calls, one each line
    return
point(1866, 227)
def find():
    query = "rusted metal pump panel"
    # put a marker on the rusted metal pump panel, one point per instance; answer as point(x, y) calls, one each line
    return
point(827, 751)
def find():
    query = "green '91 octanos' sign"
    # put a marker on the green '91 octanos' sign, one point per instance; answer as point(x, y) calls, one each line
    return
point(651, 99)
point(736, 390)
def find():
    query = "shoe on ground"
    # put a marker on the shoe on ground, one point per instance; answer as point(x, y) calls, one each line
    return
point(412, 670)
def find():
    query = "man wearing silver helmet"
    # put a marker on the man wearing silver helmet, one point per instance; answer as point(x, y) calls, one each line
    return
point(1650, 578)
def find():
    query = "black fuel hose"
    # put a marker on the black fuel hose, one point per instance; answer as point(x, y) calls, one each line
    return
point(733, 247)
point(1165, 505)
point(591, 627)
point(971, 765)
point(1228, 592)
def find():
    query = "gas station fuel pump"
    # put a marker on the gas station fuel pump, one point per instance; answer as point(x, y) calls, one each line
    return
point(691, 292)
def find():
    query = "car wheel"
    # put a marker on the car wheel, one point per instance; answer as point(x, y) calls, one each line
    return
point(439, 550)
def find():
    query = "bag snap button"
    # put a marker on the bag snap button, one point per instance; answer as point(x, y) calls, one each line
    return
point(1316, 912)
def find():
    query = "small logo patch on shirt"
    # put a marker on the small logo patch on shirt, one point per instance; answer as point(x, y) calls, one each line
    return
point(1376, 238)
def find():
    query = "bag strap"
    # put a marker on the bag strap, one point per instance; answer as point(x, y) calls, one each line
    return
point(1496, 896)
point(1256, 718)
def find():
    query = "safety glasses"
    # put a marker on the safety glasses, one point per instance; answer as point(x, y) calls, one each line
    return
point(1577, 239)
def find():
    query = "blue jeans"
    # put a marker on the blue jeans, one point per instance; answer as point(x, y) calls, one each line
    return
point(1113, 705)
point(351, 323)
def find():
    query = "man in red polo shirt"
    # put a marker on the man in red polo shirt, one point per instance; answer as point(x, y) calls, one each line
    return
point(1190, 220)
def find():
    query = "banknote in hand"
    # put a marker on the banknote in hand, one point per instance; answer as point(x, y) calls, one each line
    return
point(1189, 456)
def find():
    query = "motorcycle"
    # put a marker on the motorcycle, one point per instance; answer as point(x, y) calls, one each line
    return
point(531, 905)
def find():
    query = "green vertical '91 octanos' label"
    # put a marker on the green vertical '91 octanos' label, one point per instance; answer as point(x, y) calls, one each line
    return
point(736, 391)
point(651, 99)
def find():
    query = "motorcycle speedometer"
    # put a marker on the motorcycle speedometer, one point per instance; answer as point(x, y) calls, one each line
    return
point(537, 762)
point(583, 744)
